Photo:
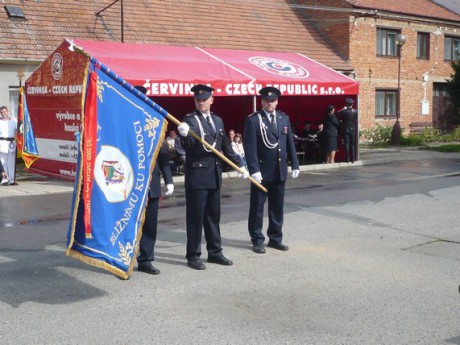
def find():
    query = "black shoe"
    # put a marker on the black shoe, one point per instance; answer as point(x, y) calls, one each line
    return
point(148, 269)
point(277, 245)
point(5, 184)
point(258, 248)
point(196, 265)
point(220, 260)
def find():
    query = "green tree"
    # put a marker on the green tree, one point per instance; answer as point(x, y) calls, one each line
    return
point(453, 89)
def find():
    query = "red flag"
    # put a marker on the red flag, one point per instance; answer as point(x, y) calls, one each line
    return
point(89, 148)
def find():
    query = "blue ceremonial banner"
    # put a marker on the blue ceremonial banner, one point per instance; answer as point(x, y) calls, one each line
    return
point(26, 144)
point(120, 139)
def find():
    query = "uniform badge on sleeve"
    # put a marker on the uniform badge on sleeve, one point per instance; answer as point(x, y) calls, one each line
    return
point(285, 130)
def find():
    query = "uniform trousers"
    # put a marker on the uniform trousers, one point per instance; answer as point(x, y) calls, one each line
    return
point(149, 232)
point(275, 197)
point(9, 161)
point(349, 143)
point(203, 211)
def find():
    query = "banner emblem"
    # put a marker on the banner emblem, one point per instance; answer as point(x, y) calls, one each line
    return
point(113, 174)
point(57, 64)
point(280, 67)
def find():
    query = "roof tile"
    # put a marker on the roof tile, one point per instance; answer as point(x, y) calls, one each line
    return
point(236, 24)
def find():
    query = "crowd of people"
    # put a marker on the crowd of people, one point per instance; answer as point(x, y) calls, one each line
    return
point(323, 141)
point(8, 128)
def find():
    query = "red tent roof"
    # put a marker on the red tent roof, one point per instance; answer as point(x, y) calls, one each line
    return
point(172, 71)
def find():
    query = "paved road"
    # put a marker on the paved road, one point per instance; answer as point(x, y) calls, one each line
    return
point(373, 259)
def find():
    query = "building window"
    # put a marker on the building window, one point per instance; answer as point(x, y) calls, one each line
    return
point(385, 103)
point(386, 42)
point(451, 48)
point(14, 101)
point(440, 90)
point(423, 45)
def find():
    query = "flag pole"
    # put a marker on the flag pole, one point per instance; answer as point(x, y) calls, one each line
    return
point(162, 111)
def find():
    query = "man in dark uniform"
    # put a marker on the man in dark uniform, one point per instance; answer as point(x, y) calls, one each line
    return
point(203, 178)
point(149, 229)
point(349, 119)
point(268, 144)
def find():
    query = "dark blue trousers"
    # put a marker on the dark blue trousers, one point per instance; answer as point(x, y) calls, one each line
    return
point(203, 212)
point(275, 198)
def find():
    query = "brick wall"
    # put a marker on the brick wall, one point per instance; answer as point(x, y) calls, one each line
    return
point(354, 38)
point(382, 72)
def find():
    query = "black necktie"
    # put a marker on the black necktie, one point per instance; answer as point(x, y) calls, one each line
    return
point(208, 118)
point(272, 120)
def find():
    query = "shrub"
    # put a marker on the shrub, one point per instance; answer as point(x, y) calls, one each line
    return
point(377, 135)
point(452, 136)
point(412, 140)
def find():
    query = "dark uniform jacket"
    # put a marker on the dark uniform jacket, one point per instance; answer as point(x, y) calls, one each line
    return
point(271, 163)
point(203, 169)
point(331, 125)
point(162, 164)
point(349, 118)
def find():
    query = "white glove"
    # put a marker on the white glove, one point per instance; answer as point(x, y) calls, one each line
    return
point(295, 173)
point(257, 176)
point(244, 174)
point(169, 189)
point(183, 129)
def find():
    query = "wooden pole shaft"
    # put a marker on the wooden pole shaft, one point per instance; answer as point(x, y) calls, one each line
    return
point(217, 153)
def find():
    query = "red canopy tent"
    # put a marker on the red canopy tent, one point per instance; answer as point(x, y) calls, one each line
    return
point(54, 90)
point(171, 71)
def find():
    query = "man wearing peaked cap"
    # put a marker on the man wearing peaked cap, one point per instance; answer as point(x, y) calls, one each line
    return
point(349, 119)
point(202, 92)
point(203, 178)
point(270, 93)
point(268, 145)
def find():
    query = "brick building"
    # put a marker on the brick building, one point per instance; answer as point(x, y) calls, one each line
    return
point(365, 33)
point(354, 37)
point(31, 30)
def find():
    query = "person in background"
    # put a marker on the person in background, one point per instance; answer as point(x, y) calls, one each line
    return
point(331, 132)
point(268, 144)
point(170, 144)
point(307, 131)
point(349, 118)
point(231, 135)
point(203, 178)
point(175, 151)
point(237, 145)
point(322, 156)
point(8, 128)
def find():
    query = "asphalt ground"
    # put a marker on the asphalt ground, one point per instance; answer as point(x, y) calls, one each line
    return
point(33, 184)
point(367, 271)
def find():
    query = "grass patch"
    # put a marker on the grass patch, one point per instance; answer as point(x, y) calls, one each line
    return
point(443, 148)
